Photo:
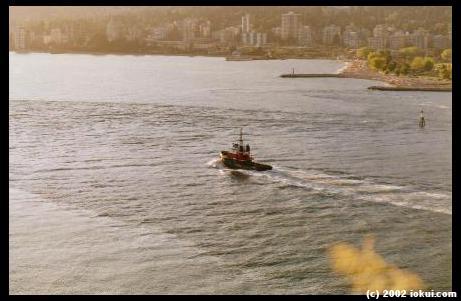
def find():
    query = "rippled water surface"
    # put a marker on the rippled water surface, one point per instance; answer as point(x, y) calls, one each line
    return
point(115, 186)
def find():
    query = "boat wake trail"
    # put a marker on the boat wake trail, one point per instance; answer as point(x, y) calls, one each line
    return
point(363, 189)
point(355, 188)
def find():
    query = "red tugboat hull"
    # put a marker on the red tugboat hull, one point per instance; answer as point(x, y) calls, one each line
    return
point(230, 161)
point(240, 157)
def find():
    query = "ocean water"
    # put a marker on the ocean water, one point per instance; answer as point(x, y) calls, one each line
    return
point(116, 186)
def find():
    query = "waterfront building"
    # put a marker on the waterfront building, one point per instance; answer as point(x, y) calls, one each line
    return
point(397, 41)
point(253, 38)
point(56, 37)
point(205, 29)
point(80, 34)
point(33, 38)
point(440, 42)
point(277, 31)
point(246, 24)
point(331, 34)
point(261, 39)
point(354, 37)
point(227, 35)
point(364, 34)
point(351, 39)
point(113, 30)
point(419, 40)
point(377, 43)
point(159, 33)
point(305, 36)
point(19, 38)
point(189, 26)
point(193, 29)
point(244, 38)
point(290, 25)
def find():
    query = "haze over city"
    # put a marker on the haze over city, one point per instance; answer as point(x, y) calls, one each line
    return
point(215, 30)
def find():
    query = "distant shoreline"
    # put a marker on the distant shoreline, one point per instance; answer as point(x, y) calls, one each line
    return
point(113, 53)
point(223, 55)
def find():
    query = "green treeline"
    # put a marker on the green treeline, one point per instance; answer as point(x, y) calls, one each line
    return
point(408, 61)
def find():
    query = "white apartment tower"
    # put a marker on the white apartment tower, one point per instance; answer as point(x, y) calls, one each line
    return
point(246, 24)
point(305, 36)
point(290, 25)
point(19, 38)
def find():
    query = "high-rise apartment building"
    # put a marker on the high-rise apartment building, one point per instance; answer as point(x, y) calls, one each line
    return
point(351, 36)
point(331, 35)
point(305, 36)
point(246, 24)
point(189, 28)
point(377, 43)
point(19, 38)
point(205, 29)
point(351, 39)
point(397, 41)
point(290, 25)
point(440, 42)
point(253, 38)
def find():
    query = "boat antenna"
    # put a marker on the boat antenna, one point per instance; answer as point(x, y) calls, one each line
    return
point(241, 139)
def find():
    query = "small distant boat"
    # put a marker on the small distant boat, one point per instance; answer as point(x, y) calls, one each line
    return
point(240, 157)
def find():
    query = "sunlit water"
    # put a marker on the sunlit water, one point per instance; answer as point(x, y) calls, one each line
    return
point(115, 186)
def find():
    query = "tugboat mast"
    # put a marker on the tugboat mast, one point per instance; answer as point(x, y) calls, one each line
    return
point(241, 139)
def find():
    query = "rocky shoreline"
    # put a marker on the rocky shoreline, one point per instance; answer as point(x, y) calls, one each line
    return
point(359, 69)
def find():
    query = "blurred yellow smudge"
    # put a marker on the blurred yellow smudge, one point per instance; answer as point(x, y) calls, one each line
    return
point(367, 270)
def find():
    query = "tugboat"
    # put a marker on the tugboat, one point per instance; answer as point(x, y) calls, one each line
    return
point(240, 157)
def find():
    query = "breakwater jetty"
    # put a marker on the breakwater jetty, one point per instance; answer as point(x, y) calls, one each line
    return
point(297, 75)
point(431, 89)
